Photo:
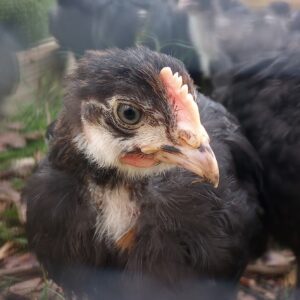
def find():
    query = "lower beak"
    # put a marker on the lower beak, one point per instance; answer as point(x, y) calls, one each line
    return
point(201, 161)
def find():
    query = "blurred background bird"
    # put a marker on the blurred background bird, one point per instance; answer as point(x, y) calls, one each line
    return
point(264, 95)
point(158, 24)
point(226, 36)
point(145, 199)
point(260, 85)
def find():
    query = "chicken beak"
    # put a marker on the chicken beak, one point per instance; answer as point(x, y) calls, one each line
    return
point(200, 161)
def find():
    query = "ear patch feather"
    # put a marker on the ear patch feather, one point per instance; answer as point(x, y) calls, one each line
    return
point(188, 117)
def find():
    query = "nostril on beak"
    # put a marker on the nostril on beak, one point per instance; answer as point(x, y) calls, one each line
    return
point(189, 138)
point(204, 148)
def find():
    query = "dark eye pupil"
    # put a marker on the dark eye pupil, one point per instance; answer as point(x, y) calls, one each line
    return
point(129, 114)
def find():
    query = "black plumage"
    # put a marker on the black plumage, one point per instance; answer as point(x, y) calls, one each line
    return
point(265, 97)
point(184, 229)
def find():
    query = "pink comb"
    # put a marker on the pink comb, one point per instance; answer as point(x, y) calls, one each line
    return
point(188, 117)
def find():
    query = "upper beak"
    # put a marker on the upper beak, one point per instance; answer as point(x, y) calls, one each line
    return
point(200, 161)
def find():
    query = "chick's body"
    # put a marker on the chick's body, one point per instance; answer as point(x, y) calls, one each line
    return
point(166, 224)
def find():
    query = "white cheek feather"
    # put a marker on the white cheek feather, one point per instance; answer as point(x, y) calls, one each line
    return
point(98, 145)
point(117, 212)
point(104, 149)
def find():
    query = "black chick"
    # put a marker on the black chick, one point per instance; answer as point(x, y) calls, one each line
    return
point(265, 98)
point(128, 180)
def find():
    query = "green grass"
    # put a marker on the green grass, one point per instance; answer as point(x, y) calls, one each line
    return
point(26, 19)
point(46, 293)
point(35, 117)
point(11, 228)
point(48, 290)
point(8, 281)
point(17, 183)
point(8, 156)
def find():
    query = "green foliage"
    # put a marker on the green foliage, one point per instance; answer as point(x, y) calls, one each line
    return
point(26, 19)
point(8, 281)
point(8, 156)
point(47, 291)
point(35, 120)
point(11, 228)
point(36, 117)
point(17, 183)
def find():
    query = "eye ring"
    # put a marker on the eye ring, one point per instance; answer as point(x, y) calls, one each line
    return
point(128, 114)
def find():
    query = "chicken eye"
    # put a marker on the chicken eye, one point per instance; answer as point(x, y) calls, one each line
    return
point(128, 114)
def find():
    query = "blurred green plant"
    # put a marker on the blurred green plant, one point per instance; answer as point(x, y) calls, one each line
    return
point(11, 229)
point(27, 20)
point(35, 116)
